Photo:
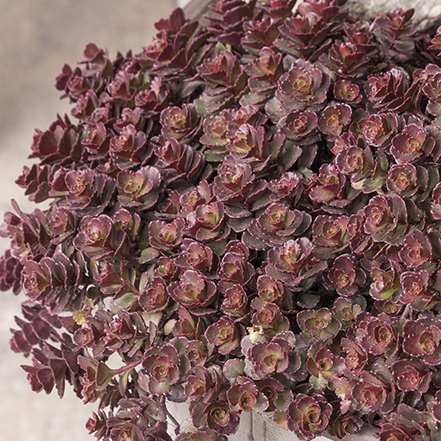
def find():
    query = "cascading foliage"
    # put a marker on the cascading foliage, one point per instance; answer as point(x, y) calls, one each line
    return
point(247, 215)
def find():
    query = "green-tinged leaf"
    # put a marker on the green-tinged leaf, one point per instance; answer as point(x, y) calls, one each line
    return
point(80, 317)
point(318, 383)
point(125, 301)
point(213, 157)
point(103, 376)
point(253, 243)
point(233, 368)
point(148, 254)
point(122, 384)
point(168, 327)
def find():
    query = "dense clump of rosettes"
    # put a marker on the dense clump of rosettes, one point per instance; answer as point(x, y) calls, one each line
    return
point(247, 216)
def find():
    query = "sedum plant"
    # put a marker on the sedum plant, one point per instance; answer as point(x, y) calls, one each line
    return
point(245, 217)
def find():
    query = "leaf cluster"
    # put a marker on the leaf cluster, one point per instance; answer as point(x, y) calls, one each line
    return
point(247, 217)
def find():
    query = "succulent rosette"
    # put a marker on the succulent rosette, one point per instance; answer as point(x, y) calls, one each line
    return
point(249, 143)
point(303, 87)
point(308, 416)
point(346, 310)
point(10, 273)
point(195, 256)
point(268, 318)
point(391, 431)
point(417, 250)
point(127, 148)
point(177, 161)
point(214, 133)
point(37, 281)
point(98, 237)
point(345, 425)
point(217, 416)
point(244, 216)
point(415, 286)
point(347, 59)
point(162, 369)
point(166, 236)
point(328, 185)
point(421, 338)
point(379, 129)
point(223, 335)
point(398, 21)
point(373, 393)
point(153, 99)
point(301, 35)
point(244, 395)
point(263, 72)
point(403, 179)
point(140, 188)
point(385, 219)
point(410, 144)
point(345, 276)
point(86, 191)
point(347, 91)
point(334, 118)
point(376, 335)
point(436, 408)
point(234, 269)
point(235, 302)
point(319, 324)
point(277, 223)
point(322, 365)
point(268, 358)
point(179, 123)
point(356, 357)
point(292, 256)
point(289, 185)
point(272, 291)
point(206, 223)
point(432, 91)
point(220, 70)
point(130, 223)
point(410, 376)
point(192, 291)
point(358, 240)
point(185, 325)
point(155, 297)
point(301, 126)
point(278, 397)
point(225, 78)
point(233, 182)
point(195, 196)
point(167, 269)
point(435, 209)
point(202, 384)
point(385, 284)
point(330, 232)
point(52, 280)
point(389, 90)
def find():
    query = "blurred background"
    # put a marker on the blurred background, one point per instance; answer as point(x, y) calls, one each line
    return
point(36, 39)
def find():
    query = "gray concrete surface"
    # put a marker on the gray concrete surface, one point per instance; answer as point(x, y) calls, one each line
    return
point(427, 12)
point(36, 38)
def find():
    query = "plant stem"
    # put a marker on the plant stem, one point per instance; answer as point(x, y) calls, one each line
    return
point(128, 366)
